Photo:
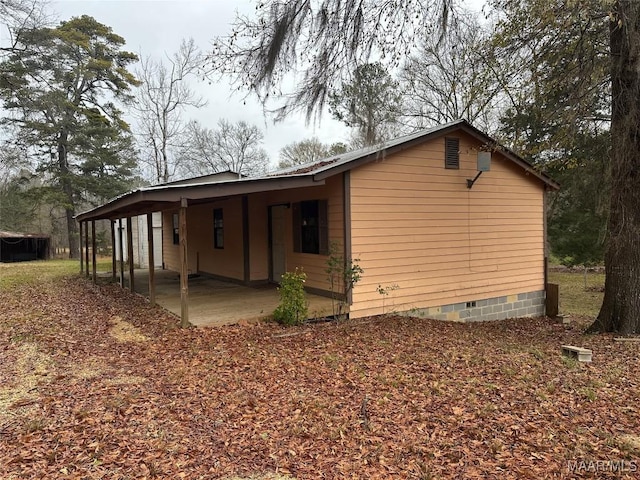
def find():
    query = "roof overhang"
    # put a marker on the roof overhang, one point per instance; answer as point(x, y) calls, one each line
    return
point(461, 125)
point(166, 197)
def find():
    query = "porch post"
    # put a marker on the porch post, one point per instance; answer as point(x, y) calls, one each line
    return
point(184, 270)
point(130, 253)
point(246, 239)
point(93, 251)
point(152, 280)
point(86, 247)
point(81, 252)
point(121, 252)
point(114, 262)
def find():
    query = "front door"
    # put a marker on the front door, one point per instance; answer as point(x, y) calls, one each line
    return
point(278, 257)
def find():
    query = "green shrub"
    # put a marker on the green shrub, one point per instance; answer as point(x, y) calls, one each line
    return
point(293, 307)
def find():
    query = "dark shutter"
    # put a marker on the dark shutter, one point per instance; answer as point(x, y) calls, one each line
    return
point(297, 230)
point(323, 227)
point(451, 153)
point(176, 229)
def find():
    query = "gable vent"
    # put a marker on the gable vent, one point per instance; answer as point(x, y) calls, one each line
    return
point(452, 153)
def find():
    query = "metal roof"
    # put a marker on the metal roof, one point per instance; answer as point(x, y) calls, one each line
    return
point(153, 198)
point(6, 234)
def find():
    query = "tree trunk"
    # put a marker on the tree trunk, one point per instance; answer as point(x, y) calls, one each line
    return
point(620, 311)
point(67, 188)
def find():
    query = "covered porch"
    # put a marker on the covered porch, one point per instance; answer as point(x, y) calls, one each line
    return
point(225, 244)
point(214, 302)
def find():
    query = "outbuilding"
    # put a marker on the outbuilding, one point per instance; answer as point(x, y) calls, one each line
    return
point(21, 247)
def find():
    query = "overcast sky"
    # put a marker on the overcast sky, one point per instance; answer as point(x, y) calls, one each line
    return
point(154, 27)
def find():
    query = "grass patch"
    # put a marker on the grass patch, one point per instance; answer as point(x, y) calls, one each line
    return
point(23, 273)
point(574, 298)
point(123, 331)
point(629, 443)
point(16, 274)
point(31, 366)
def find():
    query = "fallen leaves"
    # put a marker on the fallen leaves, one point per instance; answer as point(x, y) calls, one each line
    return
point(377, 398)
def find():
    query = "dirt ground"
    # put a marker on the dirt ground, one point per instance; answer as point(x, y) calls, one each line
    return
point(95, 384)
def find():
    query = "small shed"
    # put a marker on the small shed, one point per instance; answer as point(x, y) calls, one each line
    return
point(22, 247)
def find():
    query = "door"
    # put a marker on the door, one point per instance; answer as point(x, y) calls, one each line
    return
point(278, 244)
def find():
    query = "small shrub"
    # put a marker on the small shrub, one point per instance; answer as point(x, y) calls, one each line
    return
point(385, 292)
point(342, 274)
point(293, 307)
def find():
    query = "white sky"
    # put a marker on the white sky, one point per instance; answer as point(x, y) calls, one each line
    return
point(154, 27)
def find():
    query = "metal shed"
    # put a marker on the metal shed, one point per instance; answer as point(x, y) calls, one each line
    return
point(22, 247)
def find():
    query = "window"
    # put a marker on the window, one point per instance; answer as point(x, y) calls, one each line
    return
point(452, 153)
point(176, 229)
point(310, 227)
point(218, 228)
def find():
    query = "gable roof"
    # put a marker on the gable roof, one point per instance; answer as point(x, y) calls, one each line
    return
point(159, 197)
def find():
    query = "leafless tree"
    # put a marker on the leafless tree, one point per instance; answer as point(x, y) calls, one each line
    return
point(162, 98)
point(322, 41)
point(18, 15)
point(307, 151)
point(235, 147)
point(454, 78)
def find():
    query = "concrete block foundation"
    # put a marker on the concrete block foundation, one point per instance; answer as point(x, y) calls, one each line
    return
point(528, 304)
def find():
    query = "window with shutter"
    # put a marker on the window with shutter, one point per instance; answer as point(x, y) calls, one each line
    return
point(310, 227)
point(452, 153)
point(218, 228)
point(176, 229)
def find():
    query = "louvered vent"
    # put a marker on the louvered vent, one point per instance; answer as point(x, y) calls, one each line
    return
point(451, 153)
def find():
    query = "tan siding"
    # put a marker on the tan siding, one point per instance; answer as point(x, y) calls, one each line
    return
point(258, 234)
point(313, 265)
point(417, 226)
point(229, 261)
point(203, 257)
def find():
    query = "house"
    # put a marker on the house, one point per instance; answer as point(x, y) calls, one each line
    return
point(444, 222)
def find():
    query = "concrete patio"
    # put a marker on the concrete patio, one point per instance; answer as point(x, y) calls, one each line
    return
point(214, 302)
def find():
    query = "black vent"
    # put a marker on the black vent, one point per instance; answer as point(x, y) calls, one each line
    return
point(451, 153)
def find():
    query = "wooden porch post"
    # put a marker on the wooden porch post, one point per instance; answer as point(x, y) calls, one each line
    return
point(114, 262)
point(121, 252)
point(184, 270)
point(81, 252)
point(86, 247)
point(130, 253)
point(152, 280)
point(93, 251)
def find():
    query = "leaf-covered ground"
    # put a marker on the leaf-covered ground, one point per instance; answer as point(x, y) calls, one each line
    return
point(96, 384)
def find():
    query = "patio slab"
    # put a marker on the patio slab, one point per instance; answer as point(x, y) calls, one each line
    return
point(215, 302)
